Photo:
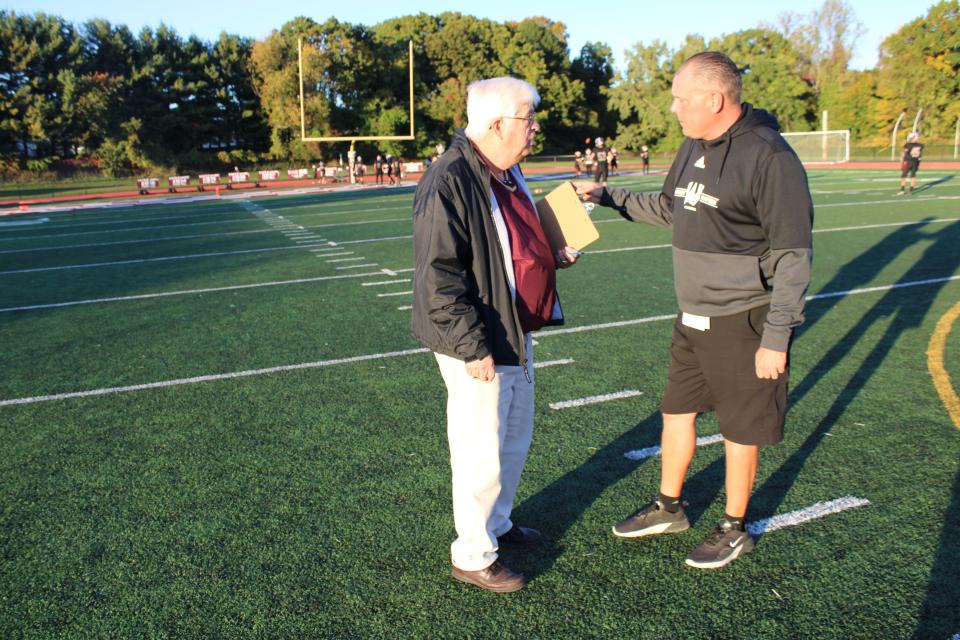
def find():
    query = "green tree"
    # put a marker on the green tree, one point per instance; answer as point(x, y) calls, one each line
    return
point(594, 68)
point(38, 55)
point(919, 68)
point(768, 62)
point(642, 95)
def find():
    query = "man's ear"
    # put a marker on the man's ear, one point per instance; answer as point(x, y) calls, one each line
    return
point(717, 100)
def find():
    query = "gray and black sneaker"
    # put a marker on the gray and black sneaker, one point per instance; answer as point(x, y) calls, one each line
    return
point(724, 545)
point(651, 520)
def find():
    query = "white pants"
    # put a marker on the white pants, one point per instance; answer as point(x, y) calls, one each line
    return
point(489, 427)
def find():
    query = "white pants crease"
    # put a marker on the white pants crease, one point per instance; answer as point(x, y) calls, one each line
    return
point(489, 428)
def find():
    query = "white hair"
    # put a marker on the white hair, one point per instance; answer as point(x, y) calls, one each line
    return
point(488, 100)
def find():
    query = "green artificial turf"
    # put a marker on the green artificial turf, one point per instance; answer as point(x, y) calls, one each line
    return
point(314, 502)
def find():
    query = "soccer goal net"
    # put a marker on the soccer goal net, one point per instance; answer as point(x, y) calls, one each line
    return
point(821, 146)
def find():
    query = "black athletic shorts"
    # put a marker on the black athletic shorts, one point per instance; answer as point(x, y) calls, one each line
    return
point(601, 172)
point(715, 370)
point(909, 168)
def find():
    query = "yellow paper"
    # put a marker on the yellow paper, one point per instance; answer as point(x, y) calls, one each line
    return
point(565, 220)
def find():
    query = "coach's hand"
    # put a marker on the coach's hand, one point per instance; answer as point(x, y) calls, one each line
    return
point(482, 370)
point(770, 364)
point(588, 190)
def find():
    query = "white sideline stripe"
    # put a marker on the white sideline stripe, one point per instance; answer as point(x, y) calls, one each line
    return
point(189, 237)
point(359, 266)
point(164, 294)
point(394, 293)
point(887, 224)
point(580, 402)
point(376, 284)
point(605, 325)
point(318, 226)
point(828, 230)
point(406, 308)
point(552, 363)
point(208, 378)
point(807, 514)
point(651, 246)
point(650, 452)
point(886, 287)
point(553, 332)
point(191, 256)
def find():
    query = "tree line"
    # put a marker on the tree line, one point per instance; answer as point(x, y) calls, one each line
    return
point(97, 94)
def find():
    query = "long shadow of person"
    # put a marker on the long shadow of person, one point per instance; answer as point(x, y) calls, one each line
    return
point(940, 616)
point(905, 312)
point(566, 499)
point(930, 185)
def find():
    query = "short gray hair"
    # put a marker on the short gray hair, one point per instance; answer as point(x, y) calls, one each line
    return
point(493, 98)
point(719, 69)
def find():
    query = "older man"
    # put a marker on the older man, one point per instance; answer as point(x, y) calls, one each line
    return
point(485, 278)
point(737, 199)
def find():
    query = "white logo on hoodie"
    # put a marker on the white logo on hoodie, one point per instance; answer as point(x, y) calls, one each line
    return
point(693, 194)
point(699, 164)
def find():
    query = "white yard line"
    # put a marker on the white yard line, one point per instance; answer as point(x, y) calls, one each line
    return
point(607, 397)
point(208, 378)
point(358, 266)
point(650, 452)
point(271, 230)
point(405, 308)
point(382, 282)
point(164, 294)
point(807, 514)
point(549, 332)
point(189, 237)
point(191, 256)
point(605, 325)
point(827, 230)
point(394, 293)
point(553, 363)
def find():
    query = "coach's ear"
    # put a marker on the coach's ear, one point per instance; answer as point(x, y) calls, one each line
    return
point(716, 101)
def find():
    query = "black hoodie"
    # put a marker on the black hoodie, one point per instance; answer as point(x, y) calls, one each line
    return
point(742, 220)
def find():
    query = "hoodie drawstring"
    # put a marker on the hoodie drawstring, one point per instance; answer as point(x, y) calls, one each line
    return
point(728, 139)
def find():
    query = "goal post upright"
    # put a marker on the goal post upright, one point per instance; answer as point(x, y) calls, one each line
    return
point(352, 139)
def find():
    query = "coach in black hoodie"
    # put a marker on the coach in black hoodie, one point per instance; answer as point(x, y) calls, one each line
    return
point(738, 201)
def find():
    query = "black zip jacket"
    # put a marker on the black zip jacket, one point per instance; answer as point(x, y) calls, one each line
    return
point(742, 221)
point(462, 303)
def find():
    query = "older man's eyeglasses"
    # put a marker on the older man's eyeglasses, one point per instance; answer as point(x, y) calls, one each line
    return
point(531, 118)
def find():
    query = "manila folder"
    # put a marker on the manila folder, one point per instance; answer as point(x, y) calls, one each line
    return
point(565, 220)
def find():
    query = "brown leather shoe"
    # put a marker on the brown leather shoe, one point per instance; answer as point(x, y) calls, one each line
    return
point(519, 535)
point(497, 577)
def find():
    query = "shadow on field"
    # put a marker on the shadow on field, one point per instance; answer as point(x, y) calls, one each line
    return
point(900, 310)
point(940, 616)
point(562, 503)
point(931, 185)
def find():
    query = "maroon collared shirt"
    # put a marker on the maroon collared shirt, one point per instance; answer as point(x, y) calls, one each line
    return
point(534, 267)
